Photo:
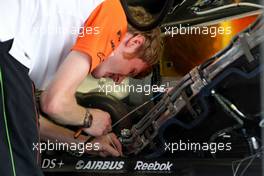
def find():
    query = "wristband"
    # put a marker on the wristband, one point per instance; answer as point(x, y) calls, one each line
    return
point(88, 119)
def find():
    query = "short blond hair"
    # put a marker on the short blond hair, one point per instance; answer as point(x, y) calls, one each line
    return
point(151, 50)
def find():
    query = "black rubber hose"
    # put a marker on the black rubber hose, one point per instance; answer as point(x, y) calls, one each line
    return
point(155, 23)
point(226, 108)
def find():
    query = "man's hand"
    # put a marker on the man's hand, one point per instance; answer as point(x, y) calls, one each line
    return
point(101, 123)
point(109, 146)
point(169, 89)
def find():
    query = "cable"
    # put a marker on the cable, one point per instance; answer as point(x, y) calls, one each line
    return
point(233, 107)
point(261, 123)
point(245, 4)
point(247, 166)
point(251, 158)
point(226, 108)
point(136, 109)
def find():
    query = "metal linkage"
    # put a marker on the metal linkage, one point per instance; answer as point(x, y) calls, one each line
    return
point(143, 132)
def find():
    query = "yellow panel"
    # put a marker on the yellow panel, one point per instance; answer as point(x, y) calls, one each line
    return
point(184, 52)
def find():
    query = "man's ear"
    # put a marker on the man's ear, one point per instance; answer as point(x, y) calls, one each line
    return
point(134, 44)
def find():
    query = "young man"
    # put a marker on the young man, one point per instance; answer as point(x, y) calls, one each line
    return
point(56, 44)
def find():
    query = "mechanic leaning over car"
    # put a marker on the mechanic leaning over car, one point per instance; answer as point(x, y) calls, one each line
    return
point(40, 45)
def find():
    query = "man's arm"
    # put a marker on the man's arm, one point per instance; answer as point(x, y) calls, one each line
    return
point(59, 102)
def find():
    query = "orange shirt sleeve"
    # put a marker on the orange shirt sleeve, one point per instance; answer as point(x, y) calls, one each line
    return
point(109, 25)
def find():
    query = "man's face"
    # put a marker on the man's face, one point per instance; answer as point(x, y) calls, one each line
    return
point(117, 66)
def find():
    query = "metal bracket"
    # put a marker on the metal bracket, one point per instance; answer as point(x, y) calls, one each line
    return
point(198, 81)
point(246, 48)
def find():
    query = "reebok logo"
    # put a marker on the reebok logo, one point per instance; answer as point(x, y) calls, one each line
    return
point(143, 166)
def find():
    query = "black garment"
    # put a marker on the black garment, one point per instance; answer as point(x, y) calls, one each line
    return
point(18, 118)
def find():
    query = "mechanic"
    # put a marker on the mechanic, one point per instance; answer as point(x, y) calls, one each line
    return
point(38, 44)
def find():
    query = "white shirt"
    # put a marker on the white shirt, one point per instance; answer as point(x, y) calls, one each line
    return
point(44, 32)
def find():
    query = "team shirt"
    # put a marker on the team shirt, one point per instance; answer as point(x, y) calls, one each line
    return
point(45, 31)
